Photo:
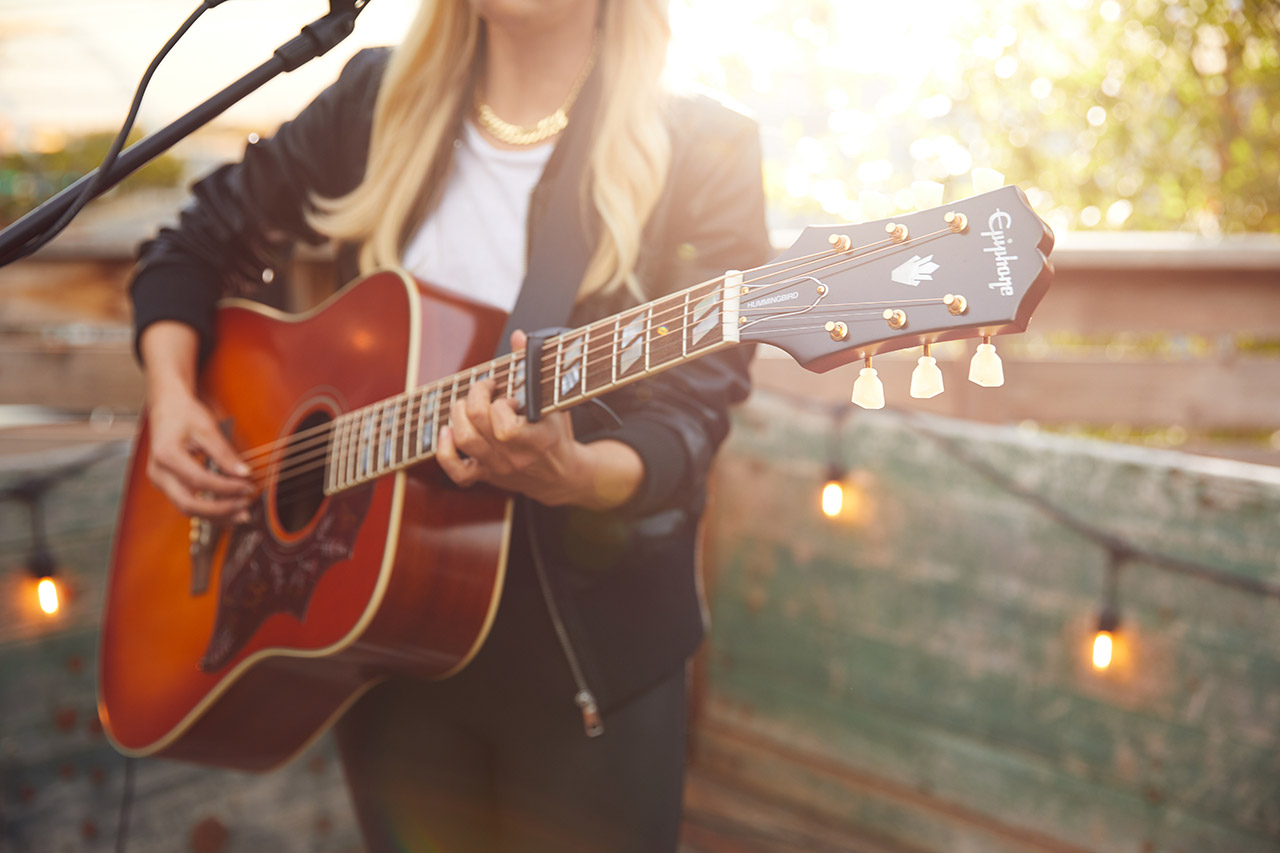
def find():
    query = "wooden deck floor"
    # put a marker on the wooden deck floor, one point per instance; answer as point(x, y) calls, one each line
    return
point(722, 817)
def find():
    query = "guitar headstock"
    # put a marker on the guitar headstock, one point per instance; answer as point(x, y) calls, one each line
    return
point(970, 269)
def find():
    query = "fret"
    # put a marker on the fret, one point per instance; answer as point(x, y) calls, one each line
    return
point(664, 344)
point(586, 357)
point(428, 418)
point(366, 444)
point(706, 319)
point(335, 450)
point(352, 450)
point(599, 359)
point(613, 350)
point(519, 372)
point(631, 343)
point(406, 442)
point(648, 337)
point(344, 459)
point(557, 364)
point(386, 438)
point(684, 323)
point(453, 395)
point(569, 374)
point(511, 374)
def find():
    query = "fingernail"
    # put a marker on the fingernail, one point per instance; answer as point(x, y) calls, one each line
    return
point(242, 469)
point(243, 517)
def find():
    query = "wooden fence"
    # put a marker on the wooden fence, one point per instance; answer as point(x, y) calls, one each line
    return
point(1156, 339)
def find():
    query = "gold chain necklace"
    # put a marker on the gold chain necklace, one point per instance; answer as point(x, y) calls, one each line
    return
point(547, 126)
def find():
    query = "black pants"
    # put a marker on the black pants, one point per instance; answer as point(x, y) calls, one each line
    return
point(496, 759)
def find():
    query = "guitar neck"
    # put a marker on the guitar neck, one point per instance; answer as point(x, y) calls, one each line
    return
point(575, 366)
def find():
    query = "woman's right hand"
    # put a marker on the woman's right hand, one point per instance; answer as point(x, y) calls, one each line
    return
point(183, 435)
point(190, 461)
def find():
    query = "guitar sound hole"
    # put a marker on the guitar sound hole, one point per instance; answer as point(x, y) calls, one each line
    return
point(300, 481)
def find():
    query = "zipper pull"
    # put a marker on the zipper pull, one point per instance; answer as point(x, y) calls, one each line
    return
point(591, 720)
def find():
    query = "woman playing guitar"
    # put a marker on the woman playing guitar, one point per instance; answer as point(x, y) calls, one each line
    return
point(505, 149)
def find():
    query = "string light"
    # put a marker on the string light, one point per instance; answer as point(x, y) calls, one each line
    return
point(40, 562)
point(833, 492)
point(1104, 639)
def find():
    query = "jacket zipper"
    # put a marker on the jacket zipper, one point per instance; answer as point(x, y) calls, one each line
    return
point(592, 722)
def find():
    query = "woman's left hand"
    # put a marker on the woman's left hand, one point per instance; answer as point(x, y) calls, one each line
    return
point(488, 442)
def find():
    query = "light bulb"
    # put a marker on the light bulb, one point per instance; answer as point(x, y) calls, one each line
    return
point(47, 591)
point(926, 379)
point(868, 390)
point(832, 498)
point(985, 369)
point(1102, 650)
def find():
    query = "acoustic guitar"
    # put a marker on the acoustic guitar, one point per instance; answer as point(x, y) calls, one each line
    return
point(237, 646)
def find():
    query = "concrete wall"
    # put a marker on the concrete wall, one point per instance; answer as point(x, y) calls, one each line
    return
point(919, 668)
point(915, 671)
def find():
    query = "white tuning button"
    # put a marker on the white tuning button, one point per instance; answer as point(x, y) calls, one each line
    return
point(985, 369)
point(868, 390)
point(926, 379)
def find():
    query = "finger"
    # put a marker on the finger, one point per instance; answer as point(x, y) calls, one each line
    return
point(518, 340)
point(200, 505)
point(478, 404)
point(464, 472)
point(212, 442)
point(507, 426)
point(466, 437)
point(195, 477)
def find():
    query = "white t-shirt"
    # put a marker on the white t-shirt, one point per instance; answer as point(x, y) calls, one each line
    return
point(473, 243)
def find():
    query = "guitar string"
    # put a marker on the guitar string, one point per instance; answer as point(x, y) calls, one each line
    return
point(394, 433)
point(381, 453)
point(796, 264)
point(409, 408)
point(377, 454)
point(403, 412)
point(501, 367)
point(503, 363)
point(550, 370)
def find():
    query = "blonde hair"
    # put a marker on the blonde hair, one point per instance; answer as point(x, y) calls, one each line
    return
point(425, 93)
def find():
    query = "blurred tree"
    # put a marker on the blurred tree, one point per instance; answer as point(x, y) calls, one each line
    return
point(28, 178)
point(1148, 114)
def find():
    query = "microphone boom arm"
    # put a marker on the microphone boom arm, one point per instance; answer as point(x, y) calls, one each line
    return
point(316, 39)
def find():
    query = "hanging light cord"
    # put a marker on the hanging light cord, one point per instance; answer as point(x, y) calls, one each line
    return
point(1120, 550)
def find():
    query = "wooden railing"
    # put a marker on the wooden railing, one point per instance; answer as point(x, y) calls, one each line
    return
point(1167, 340)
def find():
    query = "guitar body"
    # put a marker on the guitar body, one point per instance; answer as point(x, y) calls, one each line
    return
point(295, 614)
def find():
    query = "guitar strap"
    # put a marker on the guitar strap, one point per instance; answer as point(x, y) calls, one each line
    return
point(560, 233)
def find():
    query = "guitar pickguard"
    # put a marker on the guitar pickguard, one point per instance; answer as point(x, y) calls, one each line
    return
point(262, 575)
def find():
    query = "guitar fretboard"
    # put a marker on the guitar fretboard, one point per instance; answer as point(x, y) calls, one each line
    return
point(575, 366)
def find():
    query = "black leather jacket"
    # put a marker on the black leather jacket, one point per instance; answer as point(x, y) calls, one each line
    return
point(629, 602)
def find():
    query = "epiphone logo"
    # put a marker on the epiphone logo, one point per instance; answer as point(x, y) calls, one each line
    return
point(773, 300)
point(997, 223)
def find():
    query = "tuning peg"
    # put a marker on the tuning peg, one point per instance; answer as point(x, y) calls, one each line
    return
point(928, 194)
point(868, 390)
point(926, 379)
point(986, 369)
point(874, 205)
point(985, 180)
